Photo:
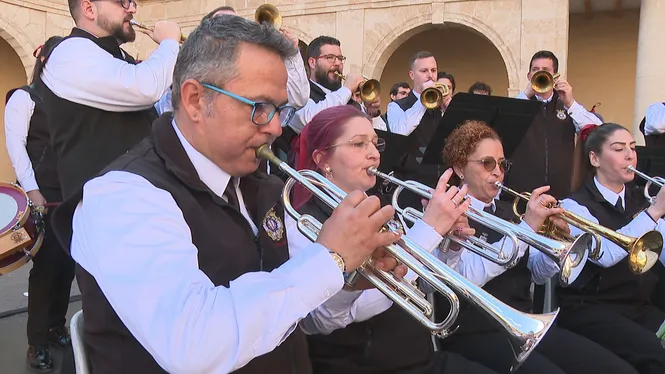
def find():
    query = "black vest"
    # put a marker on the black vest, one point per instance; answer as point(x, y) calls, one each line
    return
point(162, 160)
point(418, 140)
point(389, 342)
point(511, 287)
point(615, 285)
point(38, 145)
point(87, 139)
point(545, 156)
point(654, 139)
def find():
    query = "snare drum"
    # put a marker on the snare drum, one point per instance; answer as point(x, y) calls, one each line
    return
point(21, 228)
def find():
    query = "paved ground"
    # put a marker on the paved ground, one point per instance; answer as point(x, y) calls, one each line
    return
point(13, 342)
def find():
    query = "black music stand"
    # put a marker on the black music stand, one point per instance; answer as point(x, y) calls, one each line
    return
point(509, 117)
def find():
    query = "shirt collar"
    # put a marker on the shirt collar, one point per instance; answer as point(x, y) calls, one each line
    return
point(210, 174)
point(545, 100)
point(479, 205)
point(609, 195)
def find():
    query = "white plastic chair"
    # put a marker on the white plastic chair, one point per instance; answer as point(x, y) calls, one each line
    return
point(76, 331)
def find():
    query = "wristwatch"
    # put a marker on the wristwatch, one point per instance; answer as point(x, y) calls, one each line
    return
point(340, 262)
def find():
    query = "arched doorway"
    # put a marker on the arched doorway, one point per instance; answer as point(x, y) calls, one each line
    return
point(302, 46)
point(12, 75)
point(460, 50)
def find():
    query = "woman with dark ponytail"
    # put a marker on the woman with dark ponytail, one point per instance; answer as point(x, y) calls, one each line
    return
point(28, 145)
point(608, 303)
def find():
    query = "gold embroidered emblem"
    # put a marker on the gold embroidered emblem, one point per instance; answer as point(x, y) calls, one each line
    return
point(561, 114)
point(273, 225)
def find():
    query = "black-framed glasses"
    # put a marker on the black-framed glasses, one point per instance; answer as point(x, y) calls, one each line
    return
point(123, 3)
point(262, 112)
point(489, 163)
point(332, 58)
point(362, 143)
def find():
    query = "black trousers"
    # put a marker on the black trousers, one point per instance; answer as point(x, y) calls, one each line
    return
point(628, 331)
point(560, 351)
point(49, 286)
point(451, 363)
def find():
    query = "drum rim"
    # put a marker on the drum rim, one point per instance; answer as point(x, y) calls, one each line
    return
point(22, 215)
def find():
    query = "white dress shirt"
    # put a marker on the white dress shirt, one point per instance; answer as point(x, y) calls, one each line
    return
point(18, 113)
point(403, 122)
point(654, 122)
point(297, 86)
point(581, 117)
point(347, 307)
point(81, 72)
point(310, 109)
point(479, 270)
point(140, 252)
point(611, 252)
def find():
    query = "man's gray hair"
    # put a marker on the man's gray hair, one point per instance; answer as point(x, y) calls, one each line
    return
point(210, 53)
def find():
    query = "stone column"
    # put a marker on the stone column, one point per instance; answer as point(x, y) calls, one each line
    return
point(650, 75)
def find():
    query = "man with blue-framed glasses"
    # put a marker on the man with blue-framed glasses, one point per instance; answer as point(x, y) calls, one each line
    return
point(189, 267)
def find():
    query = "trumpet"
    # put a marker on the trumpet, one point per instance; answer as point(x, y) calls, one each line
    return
point(369, 89)
point(472, 243)
point(658, 181)
point(549, 229)
point(543, 81)
point(567, 255)
point(524, 330)
point(643, 252)
point(141, 25)
point(268, 13)
point(432, 97)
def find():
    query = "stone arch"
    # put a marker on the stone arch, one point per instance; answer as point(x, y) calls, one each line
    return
point(300, 34)
point(377, 60)
point(19, 42)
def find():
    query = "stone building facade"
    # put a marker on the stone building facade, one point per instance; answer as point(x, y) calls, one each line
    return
point(610, 51)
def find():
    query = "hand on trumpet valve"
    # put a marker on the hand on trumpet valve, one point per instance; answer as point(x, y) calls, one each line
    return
point(163, 30)
point(354, 230)
point(289, 36)
point(657, 208)
point(446, 205)
point(565, 92)
point(540, 207)
point(353, 80)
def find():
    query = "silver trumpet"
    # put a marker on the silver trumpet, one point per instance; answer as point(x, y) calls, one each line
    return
point(658, 181)
point(525, 330)
point(471, 243)
point(569, 256)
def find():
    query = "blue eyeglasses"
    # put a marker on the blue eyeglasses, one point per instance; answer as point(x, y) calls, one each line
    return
point(263, 112)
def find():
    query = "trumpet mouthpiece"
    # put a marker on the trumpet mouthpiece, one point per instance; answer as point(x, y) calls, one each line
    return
point(264, 152)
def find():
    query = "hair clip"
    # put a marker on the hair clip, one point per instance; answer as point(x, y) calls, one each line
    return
point(586, 130)
point(37, 51)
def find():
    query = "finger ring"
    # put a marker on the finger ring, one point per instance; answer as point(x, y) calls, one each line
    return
point(456, 203)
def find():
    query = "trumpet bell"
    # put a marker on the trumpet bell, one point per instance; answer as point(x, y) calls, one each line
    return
point(645, 251)
point(370, 90)
point(268, 13)
point(432, 97)
point(530, 332)
point(543, 81)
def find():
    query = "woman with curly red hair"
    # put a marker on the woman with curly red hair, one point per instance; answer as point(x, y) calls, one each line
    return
point(476, 154)
point(608, 303)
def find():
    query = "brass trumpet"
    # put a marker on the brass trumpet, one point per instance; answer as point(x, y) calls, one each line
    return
point(567, 255)
point(268, 13)
point(643, 251)
point(432, 97)
point(549, 229)
point(140, 25)
point(543, 81)
point(369, 89)
point(524, 330)
point(658, 181)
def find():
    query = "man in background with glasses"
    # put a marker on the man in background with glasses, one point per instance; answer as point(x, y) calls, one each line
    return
point(181, 243)
point(99, 101)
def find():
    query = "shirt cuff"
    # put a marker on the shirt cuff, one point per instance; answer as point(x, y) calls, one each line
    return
point(343, 300)
point(643, 220)
point(29, 183)
point(425, 235)
point(315, 272)
point(170, 45)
